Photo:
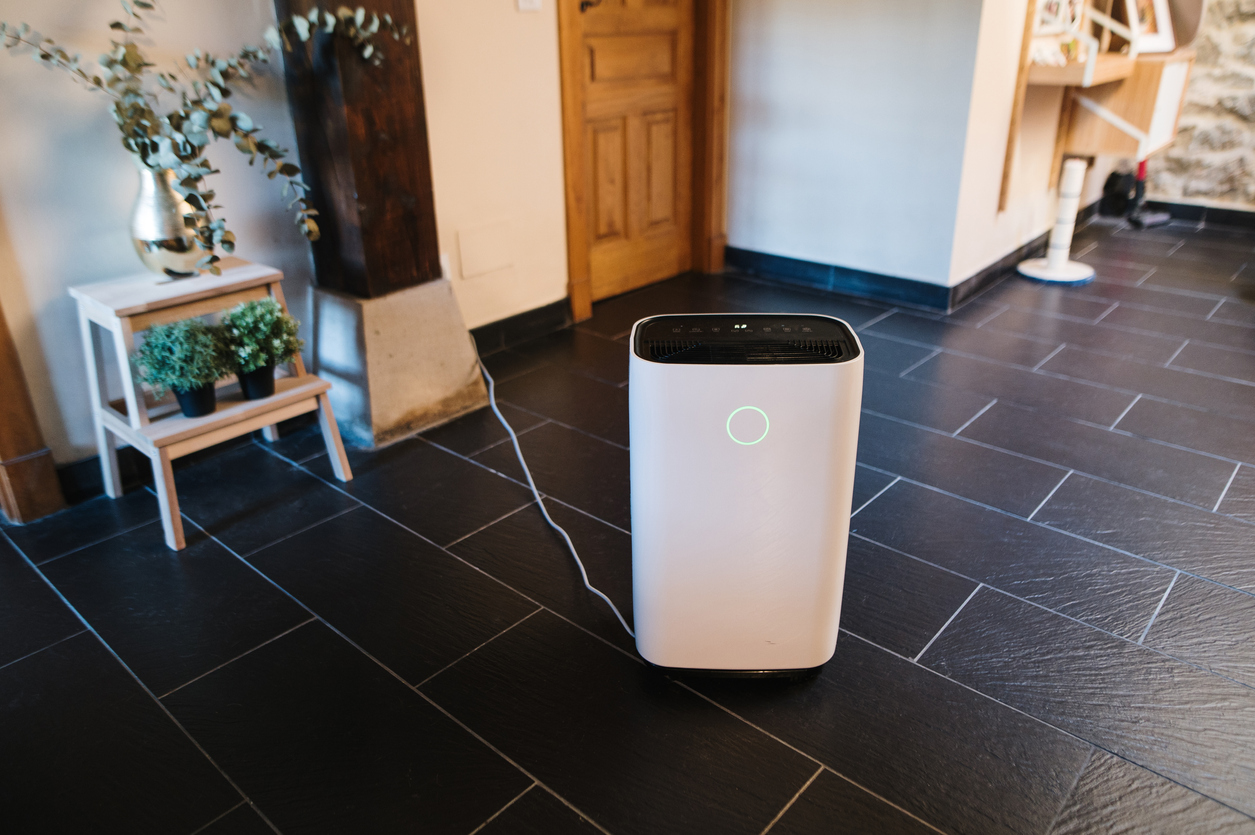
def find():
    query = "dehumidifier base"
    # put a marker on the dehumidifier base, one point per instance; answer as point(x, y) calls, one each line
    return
point(1069, 272)
point(700, 672)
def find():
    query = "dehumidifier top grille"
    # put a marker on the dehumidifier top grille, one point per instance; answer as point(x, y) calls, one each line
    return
point(745, 339)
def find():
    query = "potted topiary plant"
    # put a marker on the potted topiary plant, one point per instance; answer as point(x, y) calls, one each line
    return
point(187, 358)
point(259, 335)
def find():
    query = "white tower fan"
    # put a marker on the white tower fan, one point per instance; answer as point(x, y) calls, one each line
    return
point(744, 430)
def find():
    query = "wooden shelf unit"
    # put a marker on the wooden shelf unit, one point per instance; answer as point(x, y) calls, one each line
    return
point(128, 306)
point(1108, 67)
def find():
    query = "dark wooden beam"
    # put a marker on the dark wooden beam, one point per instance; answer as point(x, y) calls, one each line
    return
point(362, 135)
point(28, 480)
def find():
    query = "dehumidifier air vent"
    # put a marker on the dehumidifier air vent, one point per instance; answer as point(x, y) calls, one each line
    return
point(744, 429)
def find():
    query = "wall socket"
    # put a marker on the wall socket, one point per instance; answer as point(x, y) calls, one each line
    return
point(529, 5)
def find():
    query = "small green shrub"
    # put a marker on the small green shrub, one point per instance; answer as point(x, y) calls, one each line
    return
point(183, 355)
point(258, 334)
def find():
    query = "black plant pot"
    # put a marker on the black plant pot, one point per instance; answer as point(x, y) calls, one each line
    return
point(258, 383)
point(197, 402)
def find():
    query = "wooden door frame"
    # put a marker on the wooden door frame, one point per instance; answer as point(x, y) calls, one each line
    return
point(710, 145)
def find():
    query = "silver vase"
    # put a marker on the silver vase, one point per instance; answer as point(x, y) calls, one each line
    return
point(162, 241)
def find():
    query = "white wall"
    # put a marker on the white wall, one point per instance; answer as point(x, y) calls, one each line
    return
point(848, 125)
point(490, 75)
point(66, 185)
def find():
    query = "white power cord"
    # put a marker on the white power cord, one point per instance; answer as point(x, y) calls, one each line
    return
point(514, 439)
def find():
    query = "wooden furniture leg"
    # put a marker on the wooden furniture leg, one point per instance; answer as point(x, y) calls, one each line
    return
point(167, 499)
point(270, 433)
point(331, 435)
point(106, 444)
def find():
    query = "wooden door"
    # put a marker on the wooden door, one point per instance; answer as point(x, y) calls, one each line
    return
point(628, 69)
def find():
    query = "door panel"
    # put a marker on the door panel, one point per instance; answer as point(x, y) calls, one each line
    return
point(636, 104)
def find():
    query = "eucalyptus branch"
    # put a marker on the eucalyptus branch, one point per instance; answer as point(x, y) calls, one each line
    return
point(202, 83)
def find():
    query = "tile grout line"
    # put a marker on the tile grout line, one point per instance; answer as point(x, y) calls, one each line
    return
point(1005, 307)
point(1049, 496)
point(1103, 315)
point(1050, 356)
point(503, 756)
point(973, 418)
point(220, 817)
point(473, 650)
point(1149, 273)
point(1082, 253)
point(41, 649)
point(1127, 409)
point(141, 489)
point(160, 705)
point(1162, 600)
point(1219, 305)
point(792, 800)
point(238, 657)
point(1168, 362)
point(949, 621)
point(1178, 245)
point(286, 537)
point(1225, 491)
point(483, 528)
point(879, 493)
point(497, 813)
point(915, 365)
point(876, 319)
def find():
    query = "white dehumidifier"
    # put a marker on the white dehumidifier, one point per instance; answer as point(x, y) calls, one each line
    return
point(744, 430)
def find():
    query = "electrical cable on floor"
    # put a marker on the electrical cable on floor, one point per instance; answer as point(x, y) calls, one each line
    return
point(514, 439)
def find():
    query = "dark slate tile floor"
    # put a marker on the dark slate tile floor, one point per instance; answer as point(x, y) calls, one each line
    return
point(1047, 627)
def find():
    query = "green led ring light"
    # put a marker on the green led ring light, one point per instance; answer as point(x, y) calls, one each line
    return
point(766, 427)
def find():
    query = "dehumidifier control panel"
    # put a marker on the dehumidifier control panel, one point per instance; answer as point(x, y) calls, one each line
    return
point(745, 339)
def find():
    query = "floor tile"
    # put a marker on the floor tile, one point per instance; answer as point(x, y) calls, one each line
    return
point(589, 405)
point(1207, 625)
point(1186, 276)
point(1046, 298)
point(1139, 247)
point(986, 475)
point(1072, 398)
point(1175, 473)
point(31, 614)
point(1156, 298)
point(430, 491)
point(1213, 254)
point(1190, 427)
point(897, 602)
point(1208, 544)
point(296, 443)
point(1181, 722)
point(83, 524)
point(573, 468)
point(172, 615)
point(538, 813)
point(526, 554)
point(925, 744)
point(87, 750)
point(508, 364)
point(586, 721)
point(1116, 797)
point(581, 351)
point(1004, 347)
point(889, 355)
point(1239, 501)
point(322, 739)
point(764, 297)
point(1149, 348)
point(480, 429)
point(241, 821)
point(1223, 362)
point(831, 802)
point(1242, 313)
point(1182, 327)
point(689, 293)
point(942, 408)
point(401, 599)
point(1223, 396)
point(1111, 590)
point(248, 498)
point(867, 483)
point(1118, 271)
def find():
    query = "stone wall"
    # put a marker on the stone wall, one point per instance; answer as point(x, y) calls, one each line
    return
point(1212, 161)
